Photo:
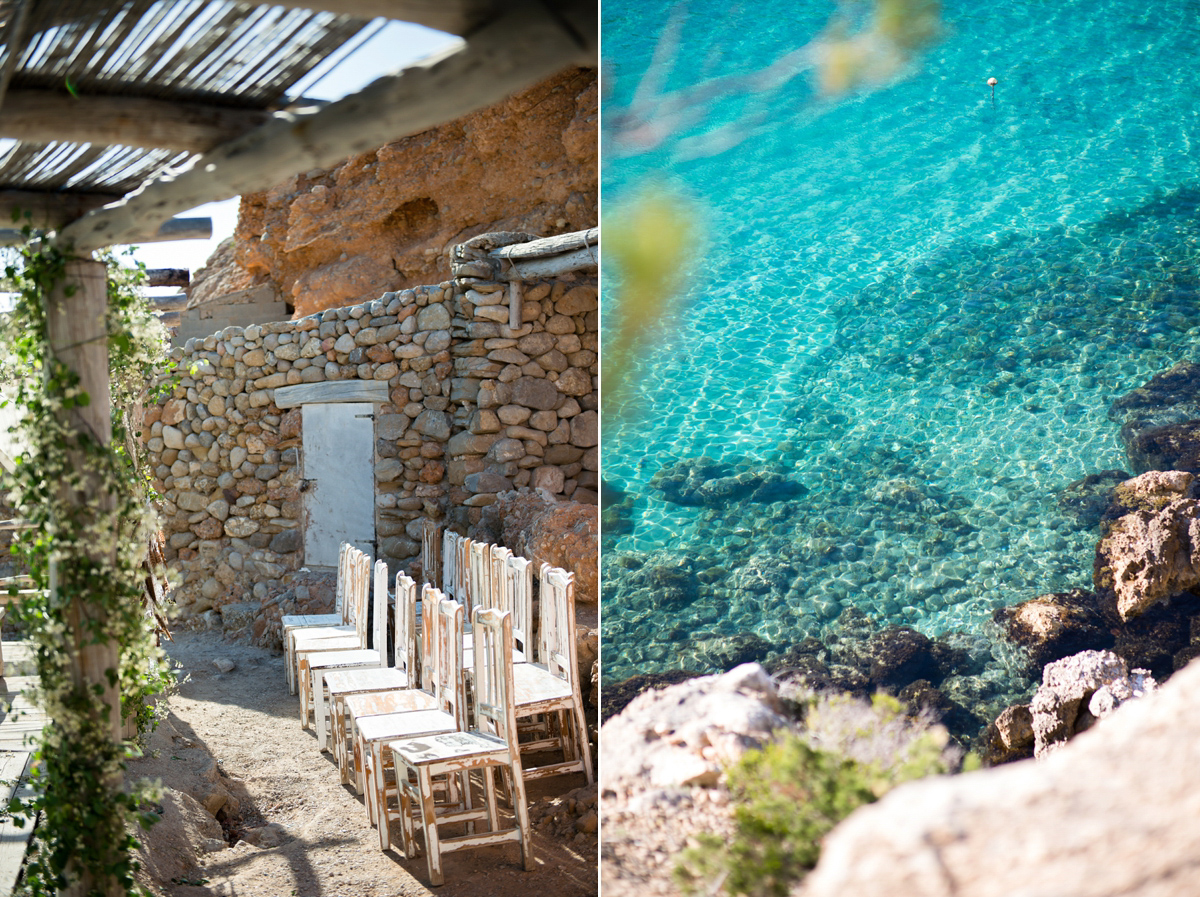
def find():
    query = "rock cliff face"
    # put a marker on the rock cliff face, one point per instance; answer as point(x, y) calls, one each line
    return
point(383, 221)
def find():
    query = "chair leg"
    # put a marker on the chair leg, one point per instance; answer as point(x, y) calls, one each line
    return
point(359, 768)
point(521, 811)
point(338, 726)
point(364, 774)
point(379, 790)
point(303, 685)
point(489, 795)
point(433, 847)
point(320, 711)
point(584, 751)
point(289, 667)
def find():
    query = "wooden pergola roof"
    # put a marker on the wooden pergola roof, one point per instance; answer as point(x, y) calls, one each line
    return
point(116, 116)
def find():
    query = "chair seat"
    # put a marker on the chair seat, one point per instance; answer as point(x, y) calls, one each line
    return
point(424, 750)
point(332, 641)
point(407, 724)
point(349, 681)
point(367, 705)
point(533, 684)
point(292, 621)
point(323, 660)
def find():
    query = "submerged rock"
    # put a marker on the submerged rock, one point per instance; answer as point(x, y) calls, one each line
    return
point(704, 481)
point(1055, 625)
point(1160, 421)
point(1087, 499)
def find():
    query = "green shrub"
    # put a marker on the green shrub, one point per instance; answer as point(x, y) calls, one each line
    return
point(791, 793)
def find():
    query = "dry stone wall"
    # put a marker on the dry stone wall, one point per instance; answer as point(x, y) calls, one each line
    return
point(473, 408)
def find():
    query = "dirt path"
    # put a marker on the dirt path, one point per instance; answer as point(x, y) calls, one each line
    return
point(233, 742)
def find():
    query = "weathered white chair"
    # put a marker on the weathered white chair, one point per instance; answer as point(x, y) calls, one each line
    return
point(356, 594)
point(431, 552)
point(479, 582)
point(491, 746)
point(340, 619)
point(372, 656)
point(462, 570)
point(344, 681)
point(372, 732)
point(551, 686)
point(516, 589)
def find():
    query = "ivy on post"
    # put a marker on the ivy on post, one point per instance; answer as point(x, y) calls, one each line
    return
point(96, 661)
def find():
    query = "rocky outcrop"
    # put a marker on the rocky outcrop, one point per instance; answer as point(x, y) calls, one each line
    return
point(1077, 691)
point(1113, 812)
point(560, 533)
point(687, 734)
point(1148, 555)
point(1087, 499)
point(384, 220)
point(1055, 625)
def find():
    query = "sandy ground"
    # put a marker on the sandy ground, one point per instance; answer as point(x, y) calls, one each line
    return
point(233, 741)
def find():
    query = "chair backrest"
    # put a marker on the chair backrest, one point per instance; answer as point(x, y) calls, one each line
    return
point(405, 633)
point(449, 559)
point(497, 595)
point(462, 570)
point(358, 591)
point(479, 585)
point(518, 598)
point(340, 605)
point(431, 552)
point(556, 638)
point(379, 611)
point(492, 642)
point(427, 653)
point(448, 658)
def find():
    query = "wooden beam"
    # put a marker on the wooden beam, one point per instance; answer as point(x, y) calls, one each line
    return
point(49, 210)
point(452, 16)
point(168, 277)
point(523, 45)
point(168, 231)
point(552, 266)
point(559, 243)
point(44, 116)
point(331, 391)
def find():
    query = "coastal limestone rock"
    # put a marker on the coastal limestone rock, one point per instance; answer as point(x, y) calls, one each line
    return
point(1148, 556)
point(687, 734)
point(1160, 421)
point(1078, 690)
point(1115, 812)
point(1055, 626)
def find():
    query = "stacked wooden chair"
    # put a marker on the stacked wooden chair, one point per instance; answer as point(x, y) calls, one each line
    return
point(431, 553)
point(340, 622)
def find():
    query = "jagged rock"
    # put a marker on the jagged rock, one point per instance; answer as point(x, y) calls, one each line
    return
point(687, 734)
point(1066, 702)
point(1151, 491)
point(560, 533)
point(1055, 625)
point(1111, 813)
point(900, 655)
point(381, 220)
point(1148, 556)
point(1010, 737)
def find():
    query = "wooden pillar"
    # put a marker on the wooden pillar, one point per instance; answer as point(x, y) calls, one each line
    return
point(75, 323)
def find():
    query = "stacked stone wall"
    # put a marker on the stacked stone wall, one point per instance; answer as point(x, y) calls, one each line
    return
point(474, 408)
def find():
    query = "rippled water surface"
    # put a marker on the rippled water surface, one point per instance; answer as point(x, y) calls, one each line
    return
point(912, 309)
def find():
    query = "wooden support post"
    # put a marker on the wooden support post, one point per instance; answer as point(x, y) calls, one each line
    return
point(514, 305)
point(75, 323)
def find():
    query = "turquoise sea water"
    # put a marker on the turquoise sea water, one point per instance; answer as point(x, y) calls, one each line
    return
point(918, 303)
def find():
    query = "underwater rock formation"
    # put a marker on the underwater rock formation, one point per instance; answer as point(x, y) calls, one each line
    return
point(1087, 499)
point(1160, 421)
point(1055, 625)
point(704, 481)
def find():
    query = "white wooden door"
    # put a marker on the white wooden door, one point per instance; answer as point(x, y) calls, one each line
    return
point(339, 497)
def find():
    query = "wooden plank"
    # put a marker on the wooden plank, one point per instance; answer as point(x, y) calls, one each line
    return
point(553, 266)
point(580, 239)
point(14, 836)
point(50, 209)
point(524, 44)
point(170, 230)
point(375, 391)
point(43, 116)
point(168, 277)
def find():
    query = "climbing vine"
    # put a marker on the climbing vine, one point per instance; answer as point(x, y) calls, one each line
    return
point(89, 507)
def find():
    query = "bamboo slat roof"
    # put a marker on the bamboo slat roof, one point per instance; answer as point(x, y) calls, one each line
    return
point(116, 116)
point(208, 53)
